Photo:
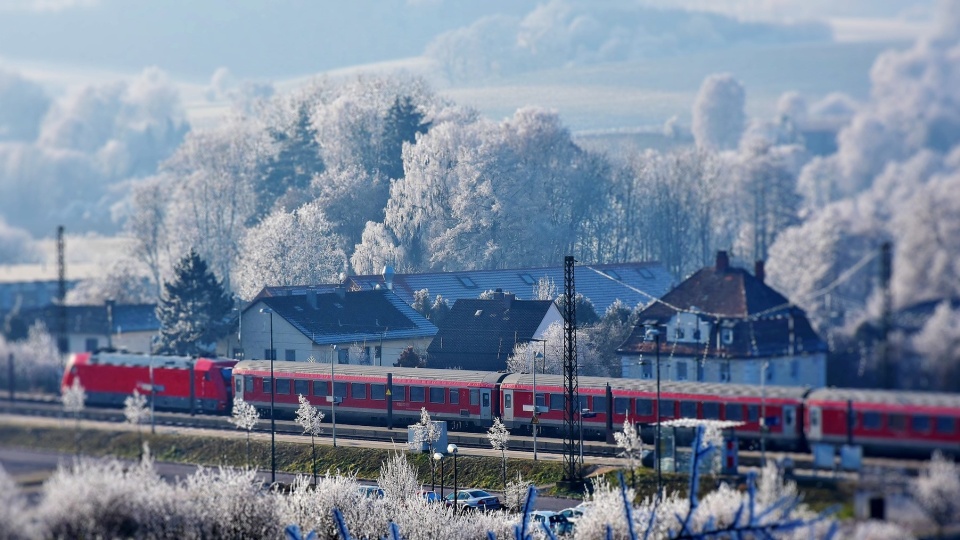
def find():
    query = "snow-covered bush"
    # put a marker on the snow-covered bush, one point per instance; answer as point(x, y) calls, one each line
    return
point(14, 521)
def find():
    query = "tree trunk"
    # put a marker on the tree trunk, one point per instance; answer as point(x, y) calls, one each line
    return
point(313, 448)
point(504, 467)
point(248, 448)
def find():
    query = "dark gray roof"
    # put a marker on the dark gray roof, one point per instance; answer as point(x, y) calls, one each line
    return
point(601, 283)
point(354, 316)
point(94, 319)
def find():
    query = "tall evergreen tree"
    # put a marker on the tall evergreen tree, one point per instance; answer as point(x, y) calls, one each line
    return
point(193, 310)
point(404, 121)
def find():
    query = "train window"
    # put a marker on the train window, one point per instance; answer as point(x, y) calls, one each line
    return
point(688, 409)
point(417, 393)
point(378, 391)
point(340, 389)
point(946, 425)
point(248, 384)
point(474, 396)
point(599, 404)
point(897, 422)
point(436, 395)
point(556, 402)
point(267, 386)
point(753, 413)
point(508, 401)
point(398, 393)
point(734, 412)
point(668, 408)
point(644, 407)
point(358, 391)
point(871, 420)
point(283, 386)
point(239, 386)
point(320, 388)
point(921, 423)
point(301, 388)
point(711, 411)
point(621, 405)
point(454, 396)
point(541, 400)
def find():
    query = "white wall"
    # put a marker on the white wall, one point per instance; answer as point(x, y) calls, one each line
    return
point(810, 369)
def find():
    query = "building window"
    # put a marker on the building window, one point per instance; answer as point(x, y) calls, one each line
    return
point(302, 388)
point(417, 394)
point(283, 386)
point(726, 336)
point(696, 335)
point(343, 356)
point(454, 396)
point(725, 372)
point(681, 371)
point(769, 371)
point(528, 279)
point(238, 353)
point(678, 333)
point(436, 395)
point(467, 282)
point(378, 392)
point(290, 355)
point(91, 344)
point(378, 352)
point(646, 371)
point(358, 391)
point(269, 354)
point(700, 371)
point(794, 370)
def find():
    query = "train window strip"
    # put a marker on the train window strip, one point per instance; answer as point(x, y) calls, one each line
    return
point(378, 392)
point(283, 386)
point(239, 386)
point(358, 391)
point(872, 421)
point(668, 408)
point(753, 413)
point(248, 383)
point(474, 396)
point(621, 405)
point(436, 395)
point(711, 411)
point(897, 422)
point(644, 407)
point(688, 409)
point(417, 394)
point(398, 393)
point(321, 388)
point(301, 388)
point(454, 396)
point(267, 385)
point(920, 423)
point(340, 389)
point(599, 404)
point(946, 425)
point(556, 402)
point(734, 411)
point(541, 399)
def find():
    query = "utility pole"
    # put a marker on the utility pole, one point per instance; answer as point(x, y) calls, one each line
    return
point(886, 369)
point(573, 471)
point(62, 343)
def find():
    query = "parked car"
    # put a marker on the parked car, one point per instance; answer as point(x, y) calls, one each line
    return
point(572, 514)
point(430, 496)
point(556, 521)
point(371, 491)
point(475, 499)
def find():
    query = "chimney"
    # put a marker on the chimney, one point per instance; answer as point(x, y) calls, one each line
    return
point(388, 276)
point(341, 291)
point(498, 294)
point(508, 299)
point(758, 271)
point(723, 261)
point(312, 298)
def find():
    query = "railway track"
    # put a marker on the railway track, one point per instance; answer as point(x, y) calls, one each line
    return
point(49, 406)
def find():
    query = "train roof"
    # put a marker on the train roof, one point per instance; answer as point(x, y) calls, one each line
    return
point(146, 360)
point(400, 375)
point(666, 387)
point(886, 397)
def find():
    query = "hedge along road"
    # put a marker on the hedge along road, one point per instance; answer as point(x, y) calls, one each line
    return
point(30, 467)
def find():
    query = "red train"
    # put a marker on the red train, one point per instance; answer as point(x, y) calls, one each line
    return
point(180, 383)
point(883, 422)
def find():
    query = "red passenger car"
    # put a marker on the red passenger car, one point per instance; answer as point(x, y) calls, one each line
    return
point(781, 406)
point(180, 383)
point(463, 398)
point(885, 422)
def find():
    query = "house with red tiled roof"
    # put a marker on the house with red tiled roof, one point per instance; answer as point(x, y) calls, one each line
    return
point(480, 334)
point(724, 324)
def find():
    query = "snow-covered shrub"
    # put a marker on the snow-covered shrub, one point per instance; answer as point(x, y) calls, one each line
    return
point(14, 520)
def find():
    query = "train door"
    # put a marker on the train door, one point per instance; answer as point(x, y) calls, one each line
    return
point(508, 406)
point(816, 424)
point(485, 404)
point(789, 420)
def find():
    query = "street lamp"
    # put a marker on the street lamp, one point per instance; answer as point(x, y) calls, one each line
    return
point(273, 388)
point(437, 456)
point(452, 449)
point(536, 409)
point(584, 413)
point(333, 396)
point(652, 334)
point(763, 413)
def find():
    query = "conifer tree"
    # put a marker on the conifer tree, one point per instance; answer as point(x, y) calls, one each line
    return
point(193, 310)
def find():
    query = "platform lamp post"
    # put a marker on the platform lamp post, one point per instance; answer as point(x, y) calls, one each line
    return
point(536, 409)
point(333, 395)
point(437, 456)
point(452, 449)
point(652, 334)
point(273, 388)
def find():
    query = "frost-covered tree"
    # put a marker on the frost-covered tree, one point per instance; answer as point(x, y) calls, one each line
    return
point(135, 411)
point(310, 418)
point(245, 417)
point(38, 363)
point(937, 490)
point(499, 439)
point(938, 342)
point(122, 281)
point(74, 400)
point(425, 432)
point(631, 447)
point(193, 310)
point(515, 494)
point(718, 117)
point(398, 479)
point(604, 337)
point(15, 523)
point(289, 248)
point(147, 227)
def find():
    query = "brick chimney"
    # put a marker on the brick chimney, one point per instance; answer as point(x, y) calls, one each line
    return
point(723, 262)
point(758, 271)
